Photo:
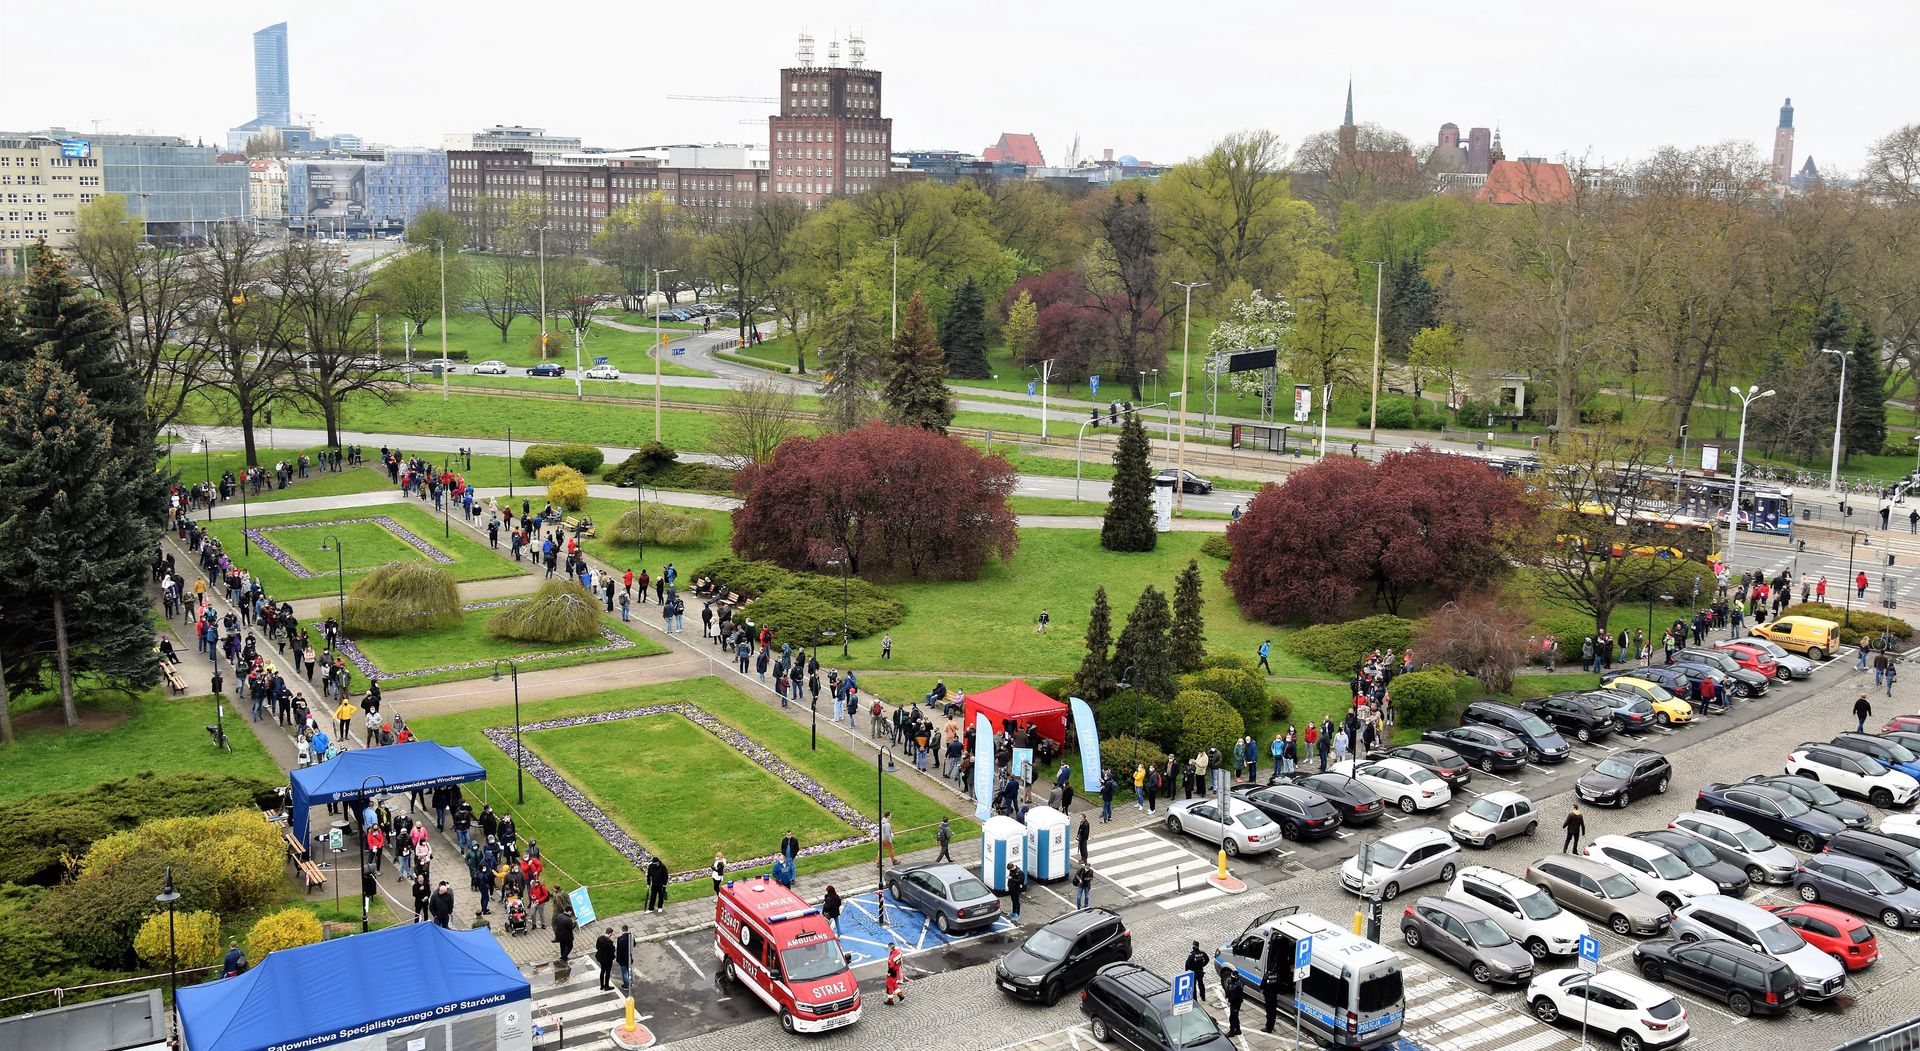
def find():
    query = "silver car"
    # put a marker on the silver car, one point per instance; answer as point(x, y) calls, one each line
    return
point(1245, 828)
point(1468, 937)
point(1494, 816)
point(953, 897)
point(1592, 889)
point(1764, 860)
point(1713, 917)
point(1404, 859)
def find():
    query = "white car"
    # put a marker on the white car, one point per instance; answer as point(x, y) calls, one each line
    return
point(490, 368)
point(443, 364)
point(1903, 826)
point(1844, 770)
point(1412, 788)
point(1248, 831)
point(1524, 911)
point(1652, 867)
point(1638, 1013)
point(1791, 665)
point(1402, 860)
point(603, 372)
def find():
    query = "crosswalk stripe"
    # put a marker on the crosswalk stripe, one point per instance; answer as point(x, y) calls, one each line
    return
point(1539, 1041)
point(1441, 1005)
point(1424, 988)
point(1110, 868)
point(1478, 1014)
point(1188, 899)
point(1492, 1032)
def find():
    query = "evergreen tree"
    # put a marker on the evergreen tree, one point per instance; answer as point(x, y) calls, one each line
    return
point(1094, 681)
point(964, 335)
point(1865, 426)
point(853, 355)
point(58, 313)
point(1187, 642)
point(916, 393)
point(1412, 303)
point(1142, 650)
point(1129, 524)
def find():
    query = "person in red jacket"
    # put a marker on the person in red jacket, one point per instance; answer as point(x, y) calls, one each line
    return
point(1860, 582)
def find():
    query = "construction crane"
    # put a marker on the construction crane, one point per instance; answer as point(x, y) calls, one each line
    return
point(721, 98)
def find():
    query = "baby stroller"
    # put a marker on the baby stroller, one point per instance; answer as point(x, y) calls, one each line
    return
point(516, 915)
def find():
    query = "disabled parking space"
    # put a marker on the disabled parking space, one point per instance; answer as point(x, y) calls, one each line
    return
point(864, 939)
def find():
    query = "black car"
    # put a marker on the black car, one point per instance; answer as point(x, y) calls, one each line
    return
point(1300, 812)
point(1128, 1001)
point(1625, 776)
point(1488, 747)
point(1746, 682)
point(1818, 796)
point(1574, 715)
point(1357, 804)
point(1064, 954)
point(1773, 812)
point(1691, 675)
point(1440, 759)
point(1747, 981)
point(1893, 854)
point(1544, 743)
point(548, 369)
point(1189, 482)
point(1706, 859)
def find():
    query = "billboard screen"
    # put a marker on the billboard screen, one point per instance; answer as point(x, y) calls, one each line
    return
point(336, 190)
point(74, 148)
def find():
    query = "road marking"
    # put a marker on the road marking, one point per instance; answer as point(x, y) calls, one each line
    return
point(1492, 1032)
point(675, 946)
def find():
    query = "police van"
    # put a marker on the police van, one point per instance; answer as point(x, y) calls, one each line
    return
point(784, 952)
point(1352, 996)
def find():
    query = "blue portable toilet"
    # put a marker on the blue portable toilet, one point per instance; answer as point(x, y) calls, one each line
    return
point(1048, 831)
point(1002, 843)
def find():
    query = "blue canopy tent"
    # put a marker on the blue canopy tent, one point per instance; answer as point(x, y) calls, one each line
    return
point(385, 771)
point(363, 990)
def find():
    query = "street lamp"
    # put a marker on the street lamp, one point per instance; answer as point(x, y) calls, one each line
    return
point(838, 557)
point(1373, 406)
point(167, 897)
point(1126, 683)
point(339, 574)
point(1186, 346)
point(893, 297)
point(367, 800)
point(1839, 415)
point(1045, 371)
point(660, 349)
point(509, 463)
point(519, 770)
point(442, 242)
point(206, 458)
point(1753, 393)
point(541, 232)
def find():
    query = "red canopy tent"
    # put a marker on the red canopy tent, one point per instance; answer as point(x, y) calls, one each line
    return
point(1023, 705)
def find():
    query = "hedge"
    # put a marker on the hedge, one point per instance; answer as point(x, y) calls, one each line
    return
point(1244, 690)
point(1424, 698)
point(655, 464)
point(37, 831)
point(1206, 721)
point(1156, 722)
point(583, 458)
point(795, 604)
point(1864, 623)
point(1217, 546)
point(1122, 755)
point(1339, 648)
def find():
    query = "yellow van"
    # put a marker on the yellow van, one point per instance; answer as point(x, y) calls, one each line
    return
point(1816, 638)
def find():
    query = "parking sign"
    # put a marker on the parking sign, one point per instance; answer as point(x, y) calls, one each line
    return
point(1093, 385)
point(1589, 953)
point(1182, 992)
point(1302, 958)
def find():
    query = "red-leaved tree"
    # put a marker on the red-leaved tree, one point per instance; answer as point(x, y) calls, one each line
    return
point(1416, 521)
point(904, 502)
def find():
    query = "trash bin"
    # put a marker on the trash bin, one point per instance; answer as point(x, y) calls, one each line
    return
point(1479, 446)
point(1048, 833)
point(1002, 843)
point(436, 372)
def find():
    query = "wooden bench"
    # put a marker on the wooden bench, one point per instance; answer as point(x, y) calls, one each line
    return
point(173, 677)
point(573, 526)
point(312, 876)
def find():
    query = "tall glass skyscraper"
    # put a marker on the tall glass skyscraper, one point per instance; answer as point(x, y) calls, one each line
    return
point(272, 104)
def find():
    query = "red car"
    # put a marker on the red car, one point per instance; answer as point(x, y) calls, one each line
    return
point(1910, 723)
point(1843, 936)
point(1752, 658)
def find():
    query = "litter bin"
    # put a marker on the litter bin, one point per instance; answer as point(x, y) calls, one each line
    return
point(1002, 843)
point(1048, 832)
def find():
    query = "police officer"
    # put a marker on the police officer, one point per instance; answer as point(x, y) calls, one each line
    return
point(1235, 993)
point(1197, 963)
point(1270, 992)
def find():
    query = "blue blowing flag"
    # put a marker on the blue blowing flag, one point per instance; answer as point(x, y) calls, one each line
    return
point(1089, 735)
point(982, 767)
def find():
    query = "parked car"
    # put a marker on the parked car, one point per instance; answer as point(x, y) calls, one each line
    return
point(1411, 788)
point(1190, 483)
point(548, 369)
point(1468, 937)
point(1853, 772)
point(1692, 675)
point(1301, 814)
point(1592, 889)
point(1631, 712)
point(1640, 1015)
point(1745, 683)
point(1902, 722)
point(603, 372)
point(1812, 637)
point(1652, 868)
point(1890, 753)
point(1544, 743)
point(490, 367)
point(1773, 811)
point(1493, 817)
point(1399, 861)
point(1820, 797)
point(1764, 860)
point(1724, 868)
point(1751, 658)
point(1668, 708)
point(1128, 1001)
point(1488, 747)
point(951, 896)
point(443, 364)
point(1843, 937)
point(1716, 917)
point(1860, 885)
point(1903, 827)
point(1357, 804)
point(1449, 764)
point(1746, 981)
point(1785, 665)
point(1625, 776)
point(1245, 829)
point(1908, 739)
point(1666, 676)
point(1063, 954)
point(1896, 855)
point(1574, 715)
point(1523, 910)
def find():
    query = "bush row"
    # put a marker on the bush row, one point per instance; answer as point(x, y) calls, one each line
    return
point(655, 464)
point(1339, 648)
point(583, 458)
point(796, 605)
point(37, 832)
point(660, 524)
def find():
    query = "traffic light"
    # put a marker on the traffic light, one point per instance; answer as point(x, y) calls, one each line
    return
point(1093, 415)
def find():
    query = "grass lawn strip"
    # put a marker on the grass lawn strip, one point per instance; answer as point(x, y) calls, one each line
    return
point(470, 637)
point(469, 559)
point(622, 841)
point(386, 540)
point(124, 735)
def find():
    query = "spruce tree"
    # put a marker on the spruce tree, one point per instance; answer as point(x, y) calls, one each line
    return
point(1094, 681)
point(1142, 649)
point(964, 335)
point(1865, 429)
point(916, 393)
point(854, 355)
point(1187, 641)
point(1129, 524)
point(58, 313)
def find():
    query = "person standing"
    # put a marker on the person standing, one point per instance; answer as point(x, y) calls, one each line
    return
point(1861, 710)
point(1139, 786)
point(790, 846)
point(538, 895)
point(1041, 627)
point(563, 927)
point(895, 994)
point(1016, 882)
point(830, 907)
point(1235, 992)
point(1575, 827)
point(656, 885)
point(1086, 832)
point(1083, 885)
point(1270, 997)
point(886, 836)
point(623, 958)
point(422, 894)
point(603, 953)
point(1197, 965)
point(1107, 789)
point(944, 836)
point(719, 870)
point(886, 647)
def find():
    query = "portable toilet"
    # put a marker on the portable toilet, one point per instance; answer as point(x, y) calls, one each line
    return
point(1002, 843)
point(1048, 831)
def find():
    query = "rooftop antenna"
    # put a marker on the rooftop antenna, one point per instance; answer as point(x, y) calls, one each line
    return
point(856, 50)
point(806, 50)
point(833, 53)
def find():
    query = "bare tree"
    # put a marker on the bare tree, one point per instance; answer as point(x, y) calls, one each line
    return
point(330, 304)
point(757, 416)
point(152, 286)
point(246, 325)
point(1893, 165)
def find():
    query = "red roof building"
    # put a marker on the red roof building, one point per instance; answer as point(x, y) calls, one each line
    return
point(1015, 149)
point(1527, 181)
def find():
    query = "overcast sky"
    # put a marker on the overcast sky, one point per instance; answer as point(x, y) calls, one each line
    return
point(1156, 80)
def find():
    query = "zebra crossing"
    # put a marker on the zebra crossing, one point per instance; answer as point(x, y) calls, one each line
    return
point(1147, 866)
point(1446, 1014)
point(584, 1015)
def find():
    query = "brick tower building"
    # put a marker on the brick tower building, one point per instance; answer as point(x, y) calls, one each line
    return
point(1783, 148)
point(829, 138)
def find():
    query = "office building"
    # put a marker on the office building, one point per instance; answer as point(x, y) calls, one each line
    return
point(544, 148)
point(339, 195)
point(176, 188)
point(578, 197)
point(272, 99)
point(44, 179)
point(830, 137)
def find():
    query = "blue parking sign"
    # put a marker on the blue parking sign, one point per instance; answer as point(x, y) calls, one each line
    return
point(1093, 385)
point(1032, 388)
point(1182, 992)
point(1589, 953)
point(1302, 957)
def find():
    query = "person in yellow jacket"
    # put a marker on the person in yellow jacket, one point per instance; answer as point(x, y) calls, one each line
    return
point(343, 716)
point(1140, 787)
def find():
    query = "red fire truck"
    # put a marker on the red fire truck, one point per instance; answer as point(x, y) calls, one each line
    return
point(784, 952)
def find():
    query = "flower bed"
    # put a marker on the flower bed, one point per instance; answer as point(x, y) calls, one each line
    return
point(610, 641)
point(292, 565)
point(597, 819)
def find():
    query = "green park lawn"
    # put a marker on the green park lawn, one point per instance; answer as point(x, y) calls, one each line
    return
point(576, 854)
point(470, 333)
point(402, 659)
point(195, 465)
point(364, 545)
point(685, 557)
point(124, 735)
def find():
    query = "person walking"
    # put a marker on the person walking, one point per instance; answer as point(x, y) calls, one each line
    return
point(1235, 991)
point(623, 958)
point(603, 953)
point(440, 906)
point(886, 836)
point(944, 836)
point(830, 907)
point(895, 994)
point(1086, 833)
point(1860, 584)
point(656, 885)
point(1197, 965)
point(1266, 648)
point(1016, 882)
point(1083, 885)
point(1880, 663)
point(1575, 827)
point(1861, 710)
point(564, 924)
point(1892, 671)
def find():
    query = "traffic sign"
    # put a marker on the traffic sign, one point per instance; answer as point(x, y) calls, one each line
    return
point(1182, 992)
point(582, 906)
point(1032, 388)
point(1302, 958)
point(601, 360)
point(1093, 385)
point(1589, 953)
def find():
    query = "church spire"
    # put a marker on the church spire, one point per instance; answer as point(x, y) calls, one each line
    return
point(1348, 123)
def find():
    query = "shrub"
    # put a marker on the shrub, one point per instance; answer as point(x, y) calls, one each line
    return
point(583, 458)
point(1157, 723)
point(655, 464)
point(1244, 690)
point(1058, 689)
point(403, 597)
point(1229, 660)
point(1206, 721)
point(1280, 708)
point(34, 957)
point(1122, 754)
point(238, 852)
point(662, 525)
point(1480, 635)
point(797, 603)
point(1339, 648)
point(1424, 698)
point(566, 487)
point(100, 912)
point(286, 929)
point(1217, 547)
point(561, 611)
point(196, 940)
point(37, 831)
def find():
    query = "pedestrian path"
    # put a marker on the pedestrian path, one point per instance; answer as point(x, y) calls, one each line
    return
point(1148, 867)
point(580, 1014)
point(1446, 1014)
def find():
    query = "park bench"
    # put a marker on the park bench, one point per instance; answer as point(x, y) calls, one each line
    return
point(173, 677)
point(573, 526)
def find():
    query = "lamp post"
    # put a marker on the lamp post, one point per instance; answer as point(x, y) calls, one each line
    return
point(246, 482)
point(660, 349)
point(1373, 406)
point(339, 575)
point(444, 384)
point(839, 557)
point(1752, 394)
point(1125, 682)
point(1045, 371)
point(893, 297)
point(509, 462)
point(880, 852)
point(540, 232)
point(206, 460)
point(1095, 422)
point(367, 800)
point(1186, 346)
point(167, 897)
point(1839, 416)
point(519, 769)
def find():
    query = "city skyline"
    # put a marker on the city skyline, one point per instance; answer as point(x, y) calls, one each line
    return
point(1698, 80)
